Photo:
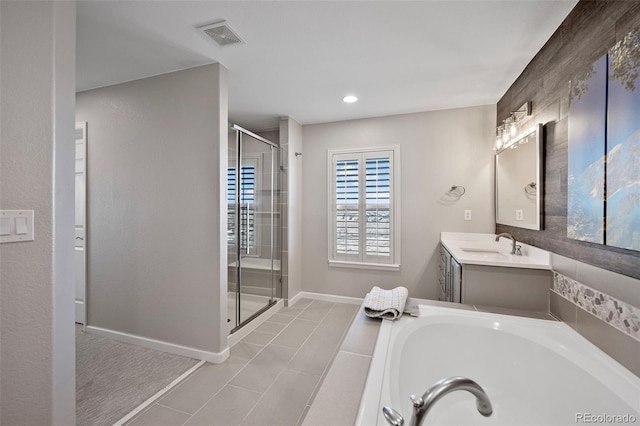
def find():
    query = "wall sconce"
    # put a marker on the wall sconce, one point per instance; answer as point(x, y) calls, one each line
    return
point(509, 127)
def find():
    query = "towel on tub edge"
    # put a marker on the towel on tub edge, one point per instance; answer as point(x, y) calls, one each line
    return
point(387, 304)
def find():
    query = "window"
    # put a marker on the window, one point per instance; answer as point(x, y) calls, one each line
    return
point(249, 237)
point(364, 208)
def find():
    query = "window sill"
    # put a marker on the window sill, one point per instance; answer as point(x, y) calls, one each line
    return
point(361, 265)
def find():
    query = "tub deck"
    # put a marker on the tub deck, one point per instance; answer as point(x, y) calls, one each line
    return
point(338, 399)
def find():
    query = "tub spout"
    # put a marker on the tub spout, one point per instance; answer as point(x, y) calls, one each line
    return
point(422, 405)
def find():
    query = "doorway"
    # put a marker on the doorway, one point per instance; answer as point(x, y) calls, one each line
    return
point(80, 223)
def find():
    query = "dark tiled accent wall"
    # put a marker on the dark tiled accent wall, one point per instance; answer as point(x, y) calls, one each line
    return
point(587, 33)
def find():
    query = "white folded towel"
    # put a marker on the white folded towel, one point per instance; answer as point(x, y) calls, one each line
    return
point(387, 304)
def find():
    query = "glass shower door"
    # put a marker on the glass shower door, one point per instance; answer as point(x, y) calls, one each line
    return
point(251, 226)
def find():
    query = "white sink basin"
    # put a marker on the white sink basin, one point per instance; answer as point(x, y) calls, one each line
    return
point(482, 253)
point(483, 249)
point(479, 250)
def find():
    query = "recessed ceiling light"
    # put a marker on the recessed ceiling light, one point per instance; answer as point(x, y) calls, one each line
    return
point(349, 99)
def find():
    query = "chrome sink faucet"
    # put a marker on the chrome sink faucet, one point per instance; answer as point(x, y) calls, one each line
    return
point(422, 404)
point(513, 243)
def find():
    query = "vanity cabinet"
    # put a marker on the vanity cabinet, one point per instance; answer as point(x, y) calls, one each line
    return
point(513, 288)
point(449, 277)
point(497, 286)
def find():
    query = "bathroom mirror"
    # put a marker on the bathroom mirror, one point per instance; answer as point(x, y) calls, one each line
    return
point(518, 181)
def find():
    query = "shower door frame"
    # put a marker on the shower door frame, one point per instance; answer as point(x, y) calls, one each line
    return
point(238, 170)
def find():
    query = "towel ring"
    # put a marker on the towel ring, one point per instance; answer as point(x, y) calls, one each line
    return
point(531, 188)
point(456, 191)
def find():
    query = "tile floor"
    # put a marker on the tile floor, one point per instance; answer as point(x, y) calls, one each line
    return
point(270, 378)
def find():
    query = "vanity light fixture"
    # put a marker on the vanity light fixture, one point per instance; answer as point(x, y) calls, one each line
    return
point(509, 127)
point(512, 126)
point(349, 99)
point(500, 132)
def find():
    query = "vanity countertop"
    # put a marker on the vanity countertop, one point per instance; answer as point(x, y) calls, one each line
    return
point(482, 249)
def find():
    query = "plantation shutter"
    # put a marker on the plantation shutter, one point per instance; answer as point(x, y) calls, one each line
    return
point(378, 208)
point(362, 191)
point(247, 207)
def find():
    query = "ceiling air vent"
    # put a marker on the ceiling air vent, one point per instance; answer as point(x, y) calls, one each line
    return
point(221, 34)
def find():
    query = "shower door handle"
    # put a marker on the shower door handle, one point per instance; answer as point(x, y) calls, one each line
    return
point(246, 232)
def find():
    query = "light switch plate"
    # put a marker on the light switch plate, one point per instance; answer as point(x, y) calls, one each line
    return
point(5, 226)
point(19, 221)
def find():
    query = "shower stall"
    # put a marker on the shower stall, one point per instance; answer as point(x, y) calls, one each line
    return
point(253, 226)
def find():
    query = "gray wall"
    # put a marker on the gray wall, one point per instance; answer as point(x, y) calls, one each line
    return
point(156, 154)
point(586, 34)
point(37, 357)
point(438, 149)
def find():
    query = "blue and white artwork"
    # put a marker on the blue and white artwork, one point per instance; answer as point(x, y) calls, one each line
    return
point(586, 168)
point(603, 185)
point(623, 144)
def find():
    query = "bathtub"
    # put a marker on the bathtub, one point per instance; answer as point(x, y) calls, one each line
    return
point(535, 372)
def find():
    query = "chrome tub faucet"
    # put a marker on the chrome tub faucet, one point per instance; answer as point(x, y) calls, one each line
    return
point(422, 404)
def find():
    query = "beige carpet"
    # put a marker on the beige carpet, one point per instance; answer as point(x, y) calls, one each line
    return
point(113, 378)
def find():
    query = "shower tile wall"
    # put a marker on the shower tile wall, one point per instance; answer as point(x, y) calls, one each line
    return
point(254, 281)
point(231, 253)
point(263, 217)
point(258, 286)
point(283, 204)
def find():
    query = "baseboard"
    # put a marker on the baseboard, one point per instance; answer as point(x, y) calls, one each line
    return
point(254, 323)
point(172, 348)
point(293, 300)
point(327, 298)
point(80, 312)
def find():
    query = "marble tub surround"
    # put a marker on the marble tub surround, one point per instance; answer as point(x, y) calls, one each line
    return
point(614, 312)
point(621, 287)
point(608, 322)
point(596, 302)
point(483, 249)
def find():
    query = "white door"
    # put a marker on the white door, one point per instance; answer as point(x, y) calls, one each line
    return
point(81, 196)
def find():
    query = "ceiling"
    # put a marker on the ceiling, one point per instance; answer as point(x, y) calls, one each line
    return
point(301, 57)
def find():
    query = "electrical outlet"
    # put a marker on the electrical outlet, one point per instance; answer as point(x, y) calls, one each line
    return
point(467, 215)
point(519, 215)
